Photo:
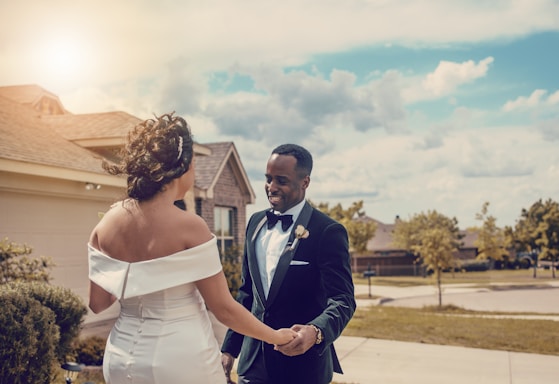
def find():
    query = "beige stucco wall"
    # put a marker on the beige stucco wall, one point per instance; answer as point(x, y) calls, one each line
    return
point(54, 217)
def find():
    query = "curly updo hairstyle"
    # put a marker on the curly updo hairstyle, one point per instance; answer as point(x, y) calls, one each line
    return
point(156, 152)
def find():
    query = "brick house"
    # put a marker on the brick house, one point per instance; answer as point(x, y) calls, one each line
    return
point(386, 260)
point(52, 185)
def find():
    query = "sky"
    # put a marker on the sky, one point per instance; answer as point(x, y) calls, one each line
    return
point(409, 106)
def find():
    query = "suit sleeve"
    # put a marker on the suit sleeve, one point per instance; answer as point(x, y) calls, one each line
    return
point(337, 282)
point(233, 341)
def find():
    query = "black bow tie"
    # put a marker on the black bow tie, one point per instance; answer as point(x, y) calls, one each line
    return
point(286, 220)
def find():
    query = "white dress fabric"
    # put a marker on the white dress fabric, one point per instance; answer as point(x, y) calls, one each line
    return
point(163, 333)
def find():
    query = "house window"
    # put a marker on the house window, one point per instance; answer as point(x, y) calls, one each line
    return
point(223, 218)
point(198, 206)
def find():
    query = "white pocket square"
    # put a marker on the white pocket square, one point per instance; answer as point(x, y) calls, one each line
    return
point(297, 262)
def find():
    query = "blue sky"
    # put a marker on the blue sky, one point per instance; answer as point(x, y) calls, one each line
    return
point(407, 105)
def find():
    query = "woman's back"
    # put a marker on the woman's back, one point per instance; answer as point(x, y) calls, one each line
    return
point(163, 331)
point(133, 231)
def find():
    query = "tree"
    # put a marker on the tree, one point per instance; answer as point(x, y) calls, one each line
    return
point(433, 238)
point(359, 229)
point(491, 241)
point(537, 232)
point(16, 265)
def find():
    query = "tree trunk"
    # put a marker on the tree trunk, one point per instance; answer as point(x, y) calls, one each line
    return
point(438, 273)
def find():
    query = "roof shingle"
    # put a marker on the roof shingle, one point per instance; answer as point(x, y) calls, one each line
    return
point(26, 138)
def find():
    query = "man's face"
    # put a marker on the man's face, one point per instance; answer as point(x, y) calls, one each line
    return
point(285, 187)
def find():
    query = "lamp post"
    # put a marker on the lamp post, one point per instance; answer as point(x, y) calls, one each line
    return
point(71, 371)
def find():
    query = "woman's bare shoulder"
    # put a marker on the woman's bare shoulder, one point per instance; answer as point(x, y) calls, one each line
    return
point(195, 229)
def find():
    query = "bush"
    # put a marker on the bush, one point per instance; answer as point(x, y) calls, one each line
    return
point(90, 351)
point(231, 262)
point(16, 265)
point(28, 339)
point(69, 310)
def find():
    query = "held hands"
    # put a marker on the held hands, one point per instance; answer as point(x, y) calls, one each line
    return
point(305, 339)
point(283, 336)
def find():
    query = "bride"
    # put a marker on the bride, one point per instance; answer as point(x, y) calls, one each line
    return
point(162, 264)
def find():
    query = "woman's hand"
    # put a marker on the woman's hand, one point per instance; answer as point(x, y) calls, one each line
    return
point(305, 340)
point(284, 336)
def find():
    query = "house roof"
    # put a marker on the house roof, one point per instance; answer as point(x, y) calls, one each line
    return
point(209, 167)
point(26, 138)
point(92, 125)
point(382, 241)
point(35, 131)
point(35, 97)
point(383, 237)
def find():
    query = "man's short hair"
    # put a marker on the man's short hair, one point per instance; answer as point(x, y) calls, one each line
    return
point(303, 157)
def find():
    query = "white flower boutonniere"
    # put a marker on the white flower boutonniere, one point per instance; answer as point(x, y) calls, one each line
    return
point(300, 233)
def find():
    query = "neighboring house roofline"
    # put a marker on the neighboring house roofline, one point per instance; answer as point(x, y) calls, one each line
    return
point(382, 241)
point(44, 170)
point(33, 96)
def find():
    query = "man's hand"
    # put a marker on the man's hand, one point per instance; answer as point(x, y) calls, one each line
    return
point(227, 363)
point(305, 339)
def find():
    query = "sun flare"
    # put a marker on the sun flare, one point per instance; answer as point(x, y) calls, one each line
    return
point(63, 56)
point(62, 59)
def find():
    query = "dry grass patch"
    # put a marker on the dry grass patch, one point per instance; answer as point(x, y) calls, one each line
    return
point(450, 325)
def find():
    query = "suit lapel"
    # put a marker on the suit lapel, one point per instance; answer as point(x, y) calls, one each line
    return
point(287, 255)
point(253, 262)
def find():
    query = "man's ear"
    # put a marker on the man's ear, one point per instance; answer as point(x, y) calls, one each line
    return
point(306, 181)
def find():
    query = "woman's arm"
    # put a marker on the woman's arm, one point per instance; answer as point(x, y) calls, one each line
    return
point(99, 299)
point(234, 315)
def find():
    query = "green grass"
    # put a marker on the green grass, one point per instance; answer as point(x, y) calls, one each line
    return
point(450, 325)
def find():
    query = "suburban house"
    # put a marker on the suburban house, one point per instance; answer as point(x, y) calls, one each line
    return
point(53, 188)
point(384, 259)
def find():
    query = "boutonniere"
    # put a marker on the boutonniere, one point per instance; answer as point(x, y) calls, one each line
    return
point(300, 233)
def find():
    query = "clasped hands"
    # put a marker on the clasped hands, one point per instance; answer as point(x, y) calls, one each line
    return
point(303, 337)
point(303, 340)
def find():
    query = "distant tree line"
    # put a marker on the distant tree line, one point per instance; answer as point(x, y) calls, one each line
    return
point(435, 238)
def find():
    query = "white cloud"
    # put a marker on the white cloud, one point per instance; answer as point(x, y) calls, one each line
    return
point(130, 39)
point(522, 102)
point(368, 140)
point(449, 75)
point(553, 99)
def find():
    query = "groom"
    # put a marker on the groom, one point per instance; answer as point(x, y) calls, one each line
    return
point(296, 273)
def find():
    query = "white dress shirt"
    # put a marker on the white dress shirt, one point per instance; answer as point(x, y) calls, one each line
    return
point(270, 244)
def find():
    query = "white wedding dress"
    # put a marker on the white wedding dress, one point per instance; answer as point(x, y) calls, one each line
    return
point(163, 333)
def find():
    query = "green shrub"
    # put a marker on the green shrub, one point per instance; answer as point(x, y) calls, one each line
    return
point(28, 338)
point(90, 351)
point(16, 265)
point(68, 308)
point(231, 262)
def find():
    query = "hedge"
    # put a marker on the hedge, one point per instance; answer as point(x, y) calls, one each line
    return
point(28, 339)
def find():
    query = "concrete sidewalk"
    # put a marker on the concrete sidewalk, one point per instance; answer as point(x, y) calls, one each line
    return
point(372, 361)
point(367, 361)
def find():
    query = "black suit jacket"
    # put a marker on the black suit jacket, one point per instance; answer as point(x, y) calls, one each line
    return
point(312, 284)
